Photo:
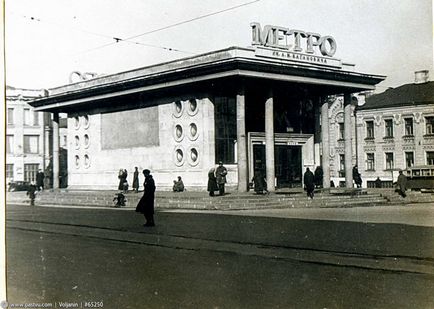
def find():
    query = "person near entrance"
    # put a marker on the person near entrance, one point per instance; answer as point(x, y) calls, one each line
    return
point(212, 182)
point(146, 203)
point(40, 180)
point(357, 177)
point(309, 182)
point(220, 174)
point(259, 182)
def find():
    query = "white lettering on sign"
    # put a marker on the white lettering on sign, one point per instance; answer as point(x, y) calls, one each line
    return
point(280, 37)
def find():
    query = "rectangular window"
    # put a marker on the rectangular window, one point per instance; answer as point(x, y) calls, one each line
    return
point(409, 159)
point(10, 116)
point(389, 160)
point(370, 129)
point(31, 143)
point(430, 157)
point(388, 127)
point(27, 120)
point(429, 121)
point(408, 122)
point(36, 118)
point(30, 171)
point(341, 131)
point(225, 129)
point(370, 161)
point(341, 165)
point(9, 143)
point(10, 171)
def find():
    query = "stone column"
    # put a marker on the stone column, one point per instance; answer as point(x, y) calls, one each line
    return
point(325, 138)
point(56, 165)
point(241, 141)
point(269, 141)
point(348, 141)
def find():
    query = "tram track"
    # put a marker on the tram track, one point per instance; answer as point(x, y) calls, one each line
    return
point(393, 263)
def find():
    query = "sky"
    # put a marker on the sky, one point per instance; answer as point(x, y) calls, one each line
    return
point(46, 40)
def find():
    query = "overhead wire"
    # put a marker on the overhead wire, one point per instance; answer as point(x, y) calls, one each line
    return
point(117, 40)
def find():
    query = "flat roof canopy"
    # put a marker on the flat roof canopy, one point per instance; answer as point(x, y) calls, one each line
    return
point(227, 64)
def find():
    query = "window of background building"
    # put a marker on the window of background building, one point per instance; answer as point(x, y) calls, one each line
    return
point(430, 157)
point(388, 124)
point(225, 129)
point(408, 122)
point(30, 171)
point(370, 161)
point(429, 121)
point(389, 160)
point(341, 165)
point(409, 159)
point(27, 120)
point(35, 118)
point(10, 171)
point(341, 131)
point(10, 116)
point(370, 129)
point(9, 143)
point(31, 143)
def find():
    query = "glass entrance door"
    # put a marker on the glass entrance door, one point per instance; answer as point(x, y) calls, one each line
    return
point(287, 161)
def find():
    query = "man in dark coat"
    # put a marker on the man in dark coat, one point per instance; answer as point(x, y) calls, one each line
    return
point(40, 180)
point(136, 180)
point(309, 182)
point(146, 203)
point(260, 184)
point(401, 184)
point(318, 177)
point(357, 177)
point(212, 182)
point(220, 174)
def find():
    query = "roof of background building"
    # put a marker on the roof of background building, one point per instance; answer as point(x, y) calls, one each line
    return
point(405, 95)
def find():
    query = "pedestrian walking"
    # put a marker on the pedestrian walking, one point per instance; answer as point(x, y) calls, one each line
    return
point(220, 174)
point(259, 182)
point(40, 180)
point(136, 180)
point(357, 177)
point(212, 182)
point(401, 184)
point(31, 192)
point(121, 179)
point(309, 182)
point(178, 185)
point(146, 203)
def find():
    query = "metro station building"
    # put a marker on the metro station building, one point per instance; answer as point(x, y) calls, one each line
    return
point(262, 107)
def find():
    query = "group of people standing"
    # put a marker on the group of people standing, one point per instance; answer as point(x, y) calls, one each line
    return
point(217, 179)
point(123, 182)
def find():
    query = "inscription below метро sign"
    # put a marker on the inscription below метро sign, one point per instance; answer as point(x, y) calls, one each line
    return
point(295, 45)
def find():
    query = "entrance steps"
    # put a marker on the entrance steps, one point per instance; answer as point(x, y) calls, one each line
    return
point(230, 201)
point(411, 198)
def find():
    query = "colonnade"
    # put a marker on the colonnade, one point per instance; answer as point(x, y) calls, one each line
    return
point(269, 142)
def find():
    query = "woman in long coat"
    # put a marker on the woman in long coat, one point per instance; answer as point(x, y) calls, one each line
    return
point(136, 180)
point(212, 182)
point(146, 203)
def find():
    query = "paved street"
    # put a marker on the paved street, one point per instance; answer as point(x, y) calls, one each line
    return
point(313, 258)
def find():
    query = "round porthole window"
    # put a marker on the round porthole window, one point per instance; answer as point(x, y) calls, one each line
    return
point(77, 161)
point(192, 107)
point(179, 156)
point(86, 161)
point(178, 108)
point(193, 131)
point(86, 121)
point(193, 156)
point(86, 141)
point(179, 133)
point(76, 122)
point(77, 142)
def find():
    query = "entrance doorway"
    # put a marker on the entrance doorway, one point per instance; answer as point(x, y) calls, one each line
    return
point(287, 163)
